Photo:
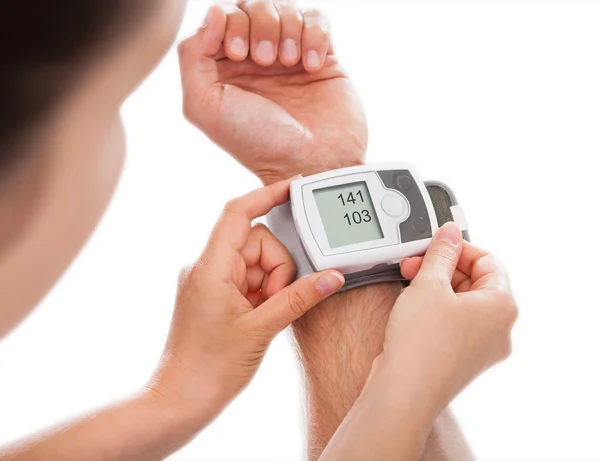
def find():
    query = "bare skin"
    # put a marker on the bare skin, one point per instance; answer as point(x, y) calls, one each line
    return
point(48, 223)
point(448, 327)
point(217, 341)
point(59, 198)
point(304, 119)
point(280, 119)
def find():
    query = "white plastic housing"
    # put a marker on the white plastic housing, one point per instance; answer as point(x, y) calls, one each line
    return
point(359, 256)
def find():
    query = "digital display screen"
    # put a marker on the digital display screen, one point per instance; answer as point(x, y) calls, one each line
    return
point(348, 214)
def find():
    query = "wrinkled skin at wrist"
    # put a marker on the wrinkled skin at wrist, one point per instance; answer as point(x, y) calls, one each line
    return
point(277, 121)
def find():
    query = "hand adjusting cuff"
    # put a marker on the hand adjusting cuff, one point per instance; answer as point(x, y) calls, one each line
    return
point(281, 223)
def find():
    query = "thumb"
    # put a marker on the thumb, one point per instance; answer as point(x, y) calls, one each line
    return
point(291, 303)
point(443, 254)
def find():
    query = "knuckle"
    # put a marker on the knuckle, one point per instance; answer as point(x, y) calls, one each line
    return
point(506, 351)
point(286, 5)
point(512, 311)
point(261, 11)
point(446, 253)
point(232, 206)
point(318, 34)
point(196, 270)
point(315, 19)
point(183, 47)
point(291, 19)
point(288, 9)
point(509, 308)
point(188, 110)
point(267, 19)
point(312, 13)
point(260, 228)
point(192, 278)
point(238, 17)
point(184, 275)
point(297, 303)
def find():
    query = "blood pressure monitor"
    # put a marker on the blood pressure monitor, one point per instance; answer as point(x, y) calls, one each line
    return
point(363, 220)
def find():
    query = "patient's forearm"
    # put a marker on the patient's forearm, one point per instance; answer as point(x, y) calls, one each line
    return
point(337, 343)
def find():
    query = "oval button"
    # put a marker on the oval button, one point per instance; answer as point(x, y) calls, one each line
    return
point(393, 205)
point(420, 225)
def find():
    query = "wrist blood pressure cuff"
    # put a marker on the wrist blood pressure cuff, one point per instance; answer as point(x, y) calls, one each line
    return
point(281, 223)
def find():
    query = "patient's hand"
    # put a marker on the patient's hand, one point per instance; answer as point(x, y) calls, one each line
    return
point(261, 80)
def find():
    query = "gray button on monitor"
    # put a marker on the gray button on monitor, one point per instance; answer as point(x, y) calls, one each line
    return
point(394, 206)
point(420, 225)
point(404, 182)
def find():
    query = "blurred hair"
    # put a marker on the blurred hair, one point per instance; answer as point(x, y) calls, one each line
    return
point(44, 46)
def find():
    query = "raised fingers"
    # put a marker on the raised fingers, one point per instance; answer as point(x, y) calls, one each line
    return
point(237, 35)
point(292, 24)
point(315, 40)
point(265, 30)
point(206, 42)
point(199, 75)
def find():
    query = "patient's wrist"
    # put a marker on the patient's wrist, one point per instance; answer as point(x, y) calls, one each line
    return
point(366, 309)
point(314, 166)
point(339, 339)
point(337, 342)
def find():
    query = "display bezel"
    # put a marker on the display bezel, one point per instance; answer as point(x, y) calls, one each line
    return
point(363, 255)
point(389, 226)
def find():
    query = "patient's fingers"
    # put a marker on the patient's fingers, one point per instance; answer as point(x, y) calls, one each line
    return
point(206, 43)
point(237, 36)
point(315, 40)
point(292, 24)
point(265, 30)
point(198, 68)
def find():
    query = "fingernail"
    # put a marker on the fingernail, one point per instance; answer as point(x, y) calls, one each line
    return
point(265, 51)
point(450, 233)
point(209, 16)
point(289, 49)
point(329, 283)
point(238, 46)
point(313, 59)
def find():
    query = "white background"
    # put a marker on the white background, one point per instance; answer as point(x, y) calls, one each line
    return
point(499, 99)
